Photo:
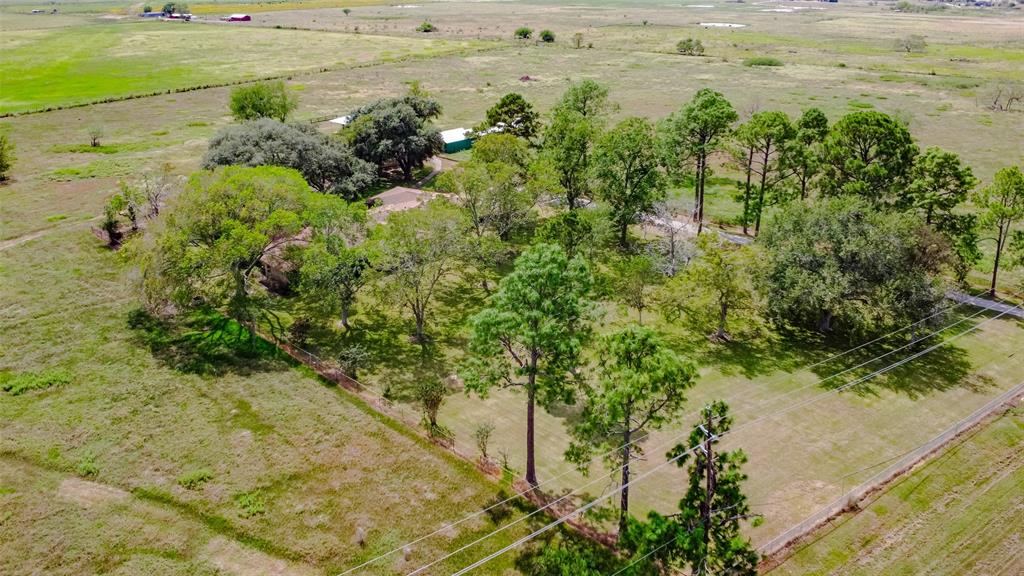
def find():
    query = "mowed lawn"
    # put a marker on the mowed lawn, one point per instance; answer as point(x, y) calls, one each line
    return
point(50, 68)
point(962, 513)
point(91, 472)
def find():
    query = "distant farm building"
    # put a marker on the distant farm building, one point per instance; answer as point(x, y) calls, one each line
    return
point(237, 18)
point(456, 140)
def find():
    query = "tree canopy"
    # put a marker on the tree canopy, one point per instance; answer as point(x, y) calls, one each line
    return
point(705, 534)
point(626, 168)
point(641, 386)
point(396, 131)
point(532, 332)
point(1002, 204)
point(514, 115)
point(327, 164)
point(211, 249)
point(414, 252)
point(690, 135)
point(867, 154)
point(263, 100)
point(839, 264)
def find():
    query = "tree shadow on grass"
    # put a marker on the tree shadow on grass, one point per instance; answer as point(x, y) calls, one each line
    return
point(394, 361)
point(205, 343)
point(920, 371)
point(750, 356)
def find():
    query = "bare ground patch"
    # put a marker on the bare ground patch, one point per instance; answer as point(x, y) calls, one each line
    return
point(88, 493)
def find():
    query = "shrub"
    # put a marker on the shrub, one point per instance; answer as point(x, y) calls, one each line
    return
point(262, 100)
point(251, 503)
point(482, 435)
point(524, 33)
point(431, 393)
point(547, 35)
point(352, 359)
point(6, 156)
point(195, 479)
point(87, 467)
point(912, 43)
point(17, 384)
point(690, 47)
point(762, 61)
point(426, 27)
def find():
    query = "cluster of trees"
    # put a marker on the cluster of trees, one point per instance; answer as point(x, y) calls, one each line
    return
point(690, 47)
point(393, 133)
point(865, 227)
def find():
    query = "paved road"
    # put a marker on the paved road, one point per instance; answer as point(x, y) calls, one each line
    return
point(977, 301)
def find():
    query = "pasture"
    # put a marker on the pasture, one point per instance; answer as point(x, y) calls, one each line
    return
point(956, 514)
point(316, 458)
point(295, 468)
point(68, 66)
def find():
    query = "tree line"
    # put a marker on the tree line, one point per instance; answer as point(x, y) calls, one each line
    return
point(541, 221)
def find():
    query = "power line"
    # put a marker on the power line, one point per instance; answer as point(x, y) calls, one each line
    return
point(561, 520)
point(644, 436)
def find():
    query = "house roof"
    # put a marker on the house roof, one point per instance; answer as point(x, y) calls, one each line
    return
point(455, 135)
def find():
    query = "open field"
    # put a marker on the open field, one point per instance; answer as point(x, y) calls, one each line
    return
point(320, 464)
point(961, 513)
point(799, 461)
point(320, 461)
point(47, 68)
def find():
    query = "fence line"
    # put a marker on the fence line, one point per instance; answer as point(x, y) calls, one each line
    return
point(332, 372)
point(853, 497)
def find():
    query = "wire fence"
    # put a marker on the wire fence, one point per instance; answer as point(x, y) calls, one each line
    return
point(899, 467)
point(332, 371)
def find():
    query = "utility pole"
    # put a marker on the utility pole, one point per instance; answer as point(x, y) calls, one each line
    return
point(710, 481)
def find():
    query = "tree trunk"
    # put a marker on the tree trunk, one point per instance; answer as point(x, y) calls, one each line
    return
point(624, 498)
point(531, 465)
point(421, 335)
point(825, 321)
point(701, 161)
point(746, 191)
point(760, 194)
point(344, 316)
point(1000, 239)
point(721, 321)
point(624, 235)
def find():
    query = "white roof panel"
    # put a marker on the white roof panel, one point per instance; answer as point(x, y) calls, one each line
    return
point(454, 135)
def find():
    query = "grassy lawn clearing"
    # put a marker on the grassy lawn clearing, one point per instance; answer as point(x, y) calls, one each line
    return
point(799, 460)
point(224, 442)
point(961, 513)
point(44, 68)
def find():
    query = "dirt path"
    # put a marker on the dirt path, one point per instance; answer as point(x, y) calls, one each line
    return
point(436, 167)
point(88, 493)
point(233, 558)
point(22, 239)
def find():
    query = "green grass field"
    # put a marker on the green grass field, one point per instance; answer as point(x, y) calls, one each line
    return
point(958, 514)
point(315, 458)
point(49, 68)
point(136, 419)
